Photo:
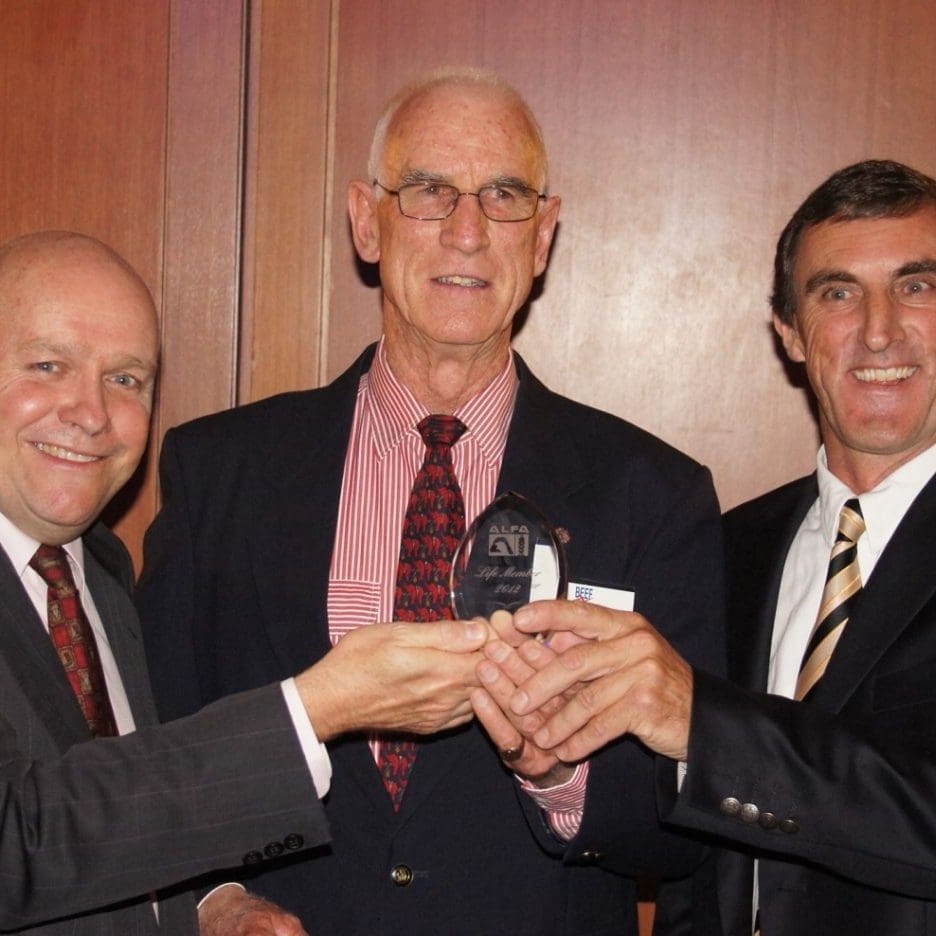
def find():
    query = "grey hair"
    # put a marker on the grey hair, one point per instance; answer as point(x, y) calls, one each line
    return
point(450, 78)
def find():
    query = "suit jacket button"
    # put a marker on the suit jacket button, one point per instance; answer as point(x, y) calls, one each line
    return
point(252, 857)
point(749, 812)
point(730, 806)
point(294, 841)
point(591, 856)
point(274, 850)
point(401, 875)
point(767, 820)
point(790, 826)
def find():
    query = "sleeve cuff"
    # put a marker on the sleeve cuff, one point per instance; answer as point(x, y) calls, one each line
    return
point(315, 753)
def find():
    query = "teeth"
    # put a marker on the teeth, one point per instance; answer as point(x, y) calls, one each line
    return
point(461, 281)
point(67, 454)
point(884, 374)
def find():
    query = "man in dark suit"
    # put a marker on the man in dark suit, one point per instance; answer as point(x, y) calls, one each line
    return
point(88, 828)
point(281, 532)
point(825, 786)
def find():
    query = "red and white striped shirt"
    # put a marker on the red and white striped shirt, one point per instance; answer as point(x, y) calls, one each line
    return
point(384, 454)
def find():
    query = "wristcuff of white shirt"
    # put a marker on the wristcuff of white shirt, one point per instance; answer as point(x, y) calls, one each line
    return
point(214, 890)
point(314, 751)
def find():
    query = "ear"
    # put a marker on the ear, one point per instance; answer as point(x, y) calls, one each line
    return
point(790, 336)
point(365, 229)
point(546, 220)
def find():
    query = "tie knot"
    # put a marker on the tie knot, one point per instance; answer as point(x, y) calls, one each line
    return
point(851, 521)
point(51, 563)
point(441, 430)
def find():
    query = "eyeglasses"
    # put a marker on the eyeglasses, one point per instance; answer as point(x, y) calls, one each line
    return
point(434, 201)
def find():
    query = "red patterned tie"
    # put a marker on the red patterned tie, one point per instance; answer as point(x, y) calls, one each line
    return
point(74, 641)
point(432, 529)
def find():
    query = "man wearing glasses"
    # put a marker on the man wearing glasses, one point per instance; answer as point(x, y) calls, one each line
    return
point(286, 525)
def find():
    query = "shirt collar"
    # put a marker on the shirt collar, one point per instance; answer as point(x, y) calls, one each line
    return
point(884, 506)
point(20, 548)
point(392, 411)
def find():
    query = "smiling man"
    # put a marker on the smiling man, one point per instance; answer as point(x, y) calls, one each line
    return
point(90, 827)
point(821, 765)
point(100, 806)
point(289, 526)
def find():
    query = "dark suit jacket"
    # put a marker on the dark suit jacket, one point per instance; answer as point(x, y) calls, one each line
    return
point(233, 594)
point(842, 788)
point(102, 823)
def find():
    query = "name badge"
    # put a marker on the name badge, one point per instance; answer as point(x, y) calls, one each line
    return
point(620, 599)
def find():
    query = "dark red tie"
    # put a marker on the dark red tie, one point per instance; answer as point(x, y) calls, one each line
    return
point(74, 641)
point(432, 529)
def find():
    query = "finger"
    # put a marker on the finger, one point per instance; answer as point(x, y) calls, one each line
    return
point(535, 656)
point(591, 621)
point(579, 664)
point(508, 659)
point(583, 723)
point(502, 625)
point(501, 688)
point(503, 734)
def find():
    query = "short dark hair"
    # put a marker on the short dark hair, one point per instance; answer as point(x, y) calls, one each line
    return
point(875, 188)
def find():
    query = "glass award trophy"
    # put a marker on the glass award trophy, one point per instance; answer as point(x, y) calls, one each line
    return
point(508, 557)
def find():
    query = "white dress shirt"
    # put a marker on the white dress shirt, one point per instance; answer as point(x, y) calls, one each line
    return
point(807, 562)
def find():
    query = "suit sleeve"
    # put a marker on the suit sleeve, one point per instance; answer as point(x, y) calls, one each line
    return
point(114, 819)
point(819, 787)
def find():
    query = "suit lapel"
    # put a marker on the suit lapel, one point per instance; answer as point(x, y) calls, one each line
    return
point(550, 474)
point(751, 619)
point(115, 607)
point(28, 651)
point(303, 488)
point(902, 582)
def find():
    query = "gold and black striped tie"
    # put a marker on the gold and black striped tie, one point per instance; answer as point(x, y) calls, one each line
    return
point(843, 584)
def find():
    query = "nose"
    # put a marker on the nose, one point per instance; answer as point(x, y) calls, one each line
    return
point(466, 228)
point(86, 408)
point(883, 323)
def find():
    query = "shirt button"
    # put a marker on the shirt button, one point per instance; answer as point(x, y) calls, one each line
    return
point(401, 875)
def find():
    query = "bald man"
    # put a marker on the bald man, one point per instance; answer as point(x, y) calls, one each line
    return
point(99, 806)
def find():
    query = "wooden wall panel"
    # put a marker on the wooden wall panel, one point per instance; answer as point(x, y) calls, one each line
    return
point(682, 135)
point(202, 212)
point(287, 190)
point(82, 141)
point(123, 119)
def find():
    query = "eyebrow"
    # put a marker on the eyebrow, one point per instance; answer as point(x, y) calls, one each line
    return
point(415, 176)
point(421, 175)
point(824, 277)
point(918, 266)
